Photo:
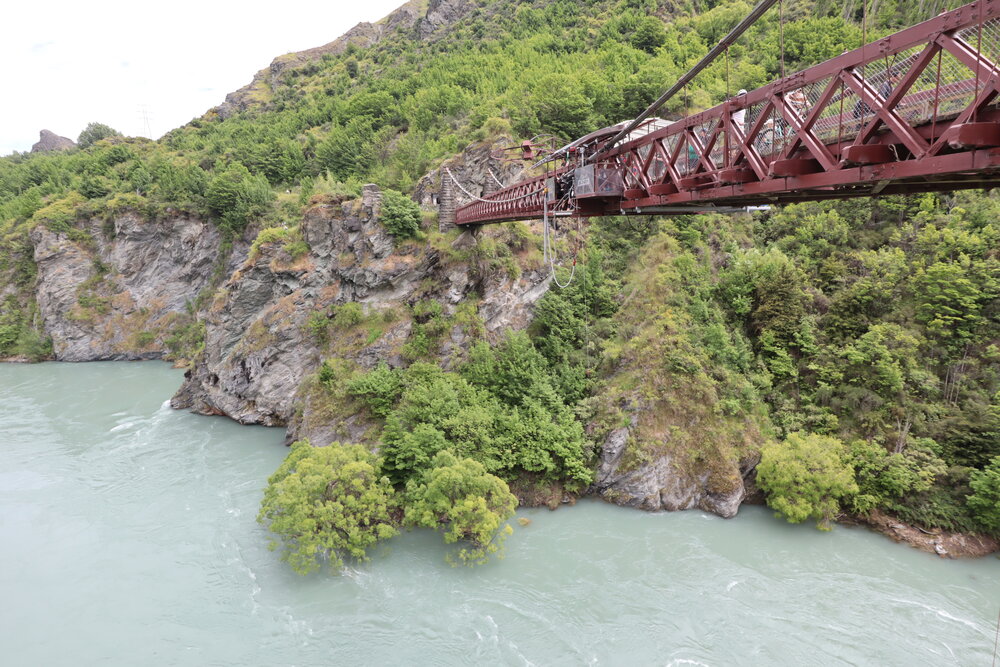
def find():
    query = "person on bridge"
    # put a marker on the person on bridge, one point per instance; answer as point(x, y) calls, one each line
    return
point(740, 116)
point(861, 109)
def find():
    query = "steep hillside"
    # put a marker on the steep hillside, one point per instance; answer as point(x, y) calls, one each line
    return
point(267, 247)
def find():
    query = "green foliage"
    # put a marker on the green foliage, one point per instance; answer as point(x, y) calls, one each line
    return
point(378, 389)
point(325, 504)
point(532, 431)
point(347, 315)
point(94, 132)
point(467, 503)
point(238, 196)
point(399, 214)
point(60, 213)
point(805, 476)
point(985, 499)
point(884, 477)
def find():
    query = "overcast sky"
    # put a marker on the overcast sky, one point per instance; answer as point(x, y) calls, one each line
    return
point(68, 62)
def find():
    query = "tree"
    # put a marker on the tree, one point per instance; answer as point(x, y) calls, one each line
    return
point(883, 476)
point(94, 132)
point(985, 499)
point(805, 476)
point(327, 503)
point(399, 214)
point(470, 505)
point(238, 196)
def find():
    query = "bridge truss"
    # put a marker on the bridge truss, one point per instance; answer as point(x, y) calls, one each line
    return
point(916, 111)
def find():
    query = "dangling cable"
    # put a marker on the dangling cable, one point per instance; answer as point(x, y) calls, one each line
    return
point(864, 63)
point(781, 34)
point(548, 255)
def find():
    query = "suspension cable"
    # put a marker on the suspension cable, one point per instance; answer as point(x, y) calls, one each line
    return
point(716, 51)
point(489, 201)
point(979, 59)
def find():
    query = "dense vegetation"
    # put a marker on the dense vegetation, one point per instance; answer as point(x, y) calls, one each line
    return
point(328, 503)
point(872, 326)
point(858, 335)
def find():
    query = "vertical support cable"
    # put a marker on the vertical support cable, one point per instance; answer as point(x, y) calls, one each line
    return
point(937, 97)
point(728, 115)
point(979, 58)
point(781, 34)
point(864, 65)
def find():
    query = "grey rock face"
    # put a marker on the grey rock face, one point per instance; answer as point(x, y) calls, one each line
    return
point(259, 349)
point(50, 141)
point(664, 484)
point(97, 299)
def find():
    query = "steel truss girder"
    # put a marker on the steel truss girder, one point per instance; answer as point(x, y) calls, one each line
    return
point(886, 117)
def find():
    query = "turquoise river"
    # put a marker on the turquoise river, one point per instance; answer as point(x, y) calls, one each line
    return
point(128, 537)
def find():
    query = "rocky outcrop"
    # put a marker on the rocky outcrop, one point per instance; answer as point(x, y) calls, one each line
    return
point(111, 290)
point(50, 141)
point(441, 14)
point(668, 481)
point(478, 170)
point(260, 331)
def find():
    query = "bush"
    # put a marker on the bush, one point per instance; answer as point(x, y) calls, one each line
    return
point(459, 497)
point(805, 476)
point(94, 132)
point(378, 390)
point(399, 214)
point(985, 499)
point(238, 196)
point(883, 477)
point(347, 315)
point(439, 410)
point(325, 504)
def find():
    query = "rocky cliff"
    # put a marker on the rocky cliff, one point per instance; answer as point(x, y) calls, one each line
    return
point(50, 141)
point(114, 290)
point(339, 294)
point(269, 327)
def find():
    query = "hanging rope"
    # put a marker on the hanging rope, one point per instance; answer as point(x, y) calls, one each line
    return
point(548, 255)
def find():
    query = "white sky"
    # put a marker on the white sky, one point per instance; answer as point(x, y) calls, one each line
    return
point(68, 62)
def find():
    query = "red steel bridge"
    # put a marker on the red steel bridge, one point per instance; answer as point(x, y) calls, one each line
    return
point(916, 111)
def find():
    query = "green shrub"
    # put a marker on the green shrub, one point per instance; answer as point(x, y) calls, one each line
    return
point(60, 213)
point(985, 499)
point(94, 132)
point(325, 504)
point(399, 214)
point(379, 389)
point(805, 477)
point(238, 196)
point(348, 315)
point(467, 503)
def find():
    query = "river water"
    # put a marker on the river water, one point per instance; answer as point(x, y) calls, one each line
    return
point(128, 537)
